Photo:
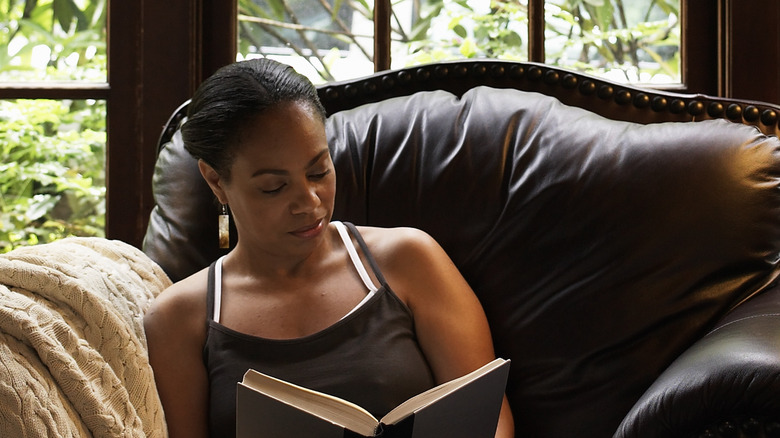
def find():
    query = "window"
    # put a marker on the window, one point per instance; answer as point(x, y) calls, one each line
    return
point(325, 40)
point(52, 121)
point(634, 41)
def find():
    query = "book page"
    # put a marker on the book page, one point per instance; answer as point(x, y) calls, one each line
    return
point(328, 407)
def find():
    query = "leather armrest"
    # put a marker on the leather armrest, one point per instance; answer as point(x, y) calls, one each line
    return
point(729, 378)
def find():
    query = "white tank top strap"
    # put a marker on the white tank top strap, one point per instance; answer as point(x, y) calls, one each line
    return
point(353, 255)
point(217, 289)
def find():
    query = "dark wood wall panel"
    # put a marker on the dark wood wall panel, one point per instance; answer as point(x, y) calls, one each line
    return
point(153, 69)
point(751, 50)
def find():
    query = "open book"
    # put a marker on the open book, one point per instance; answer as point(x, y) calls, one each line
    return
point(466, 407)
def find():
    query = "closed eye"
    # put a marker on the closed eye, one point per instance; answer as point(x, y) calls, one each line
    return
point(274, 191)
point(319, 176)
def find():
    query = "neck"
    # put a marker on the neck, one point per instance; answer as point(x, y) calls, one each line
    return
point(250, 261)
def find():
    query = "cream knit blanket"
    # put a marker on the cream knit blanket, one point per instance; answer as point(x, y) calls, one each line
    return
point(73, 359)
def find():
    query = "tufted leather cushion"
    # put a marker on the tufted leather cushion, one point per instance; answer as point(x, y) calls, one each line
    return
point(600, 249)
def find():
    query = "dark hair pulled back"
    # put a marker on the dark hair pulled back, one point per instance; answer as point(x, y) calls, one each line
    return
point(232, 96)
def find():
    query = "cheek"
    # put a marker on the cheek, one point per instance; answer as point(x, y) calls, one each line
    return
point(252, 208)
point(329, 190)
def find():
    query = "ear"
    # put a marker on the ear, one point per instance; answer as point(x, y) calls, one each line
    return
point(215, 182)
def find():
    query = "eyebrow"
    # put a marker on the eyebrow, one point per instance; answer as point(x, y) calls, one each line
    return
point(311, 163)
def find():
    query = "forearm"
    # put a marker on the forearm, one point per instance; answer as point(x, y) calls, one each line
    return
point(506, 424)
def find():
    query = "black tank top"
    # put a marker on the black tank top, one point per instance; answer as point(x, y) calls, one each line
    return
point(370, 357)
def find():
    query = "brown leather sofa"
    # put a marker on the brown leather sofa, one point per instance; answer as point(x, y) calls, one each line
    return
point(625, 243)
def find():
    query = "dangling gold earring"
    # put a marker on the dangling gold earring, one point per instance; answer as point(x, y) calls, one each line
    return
point(224, 228)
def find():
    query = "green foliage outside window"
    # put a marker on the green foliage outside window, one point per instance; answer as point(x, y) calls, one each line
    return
point(52, 178)
point(52, 152)
point(632, 40)
point(53, 40)
point(460, 29)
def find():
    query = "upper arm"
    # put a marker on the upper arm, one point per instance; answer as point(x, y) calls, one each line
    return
point(175, 341)
point(450, 323)
point(451, 326)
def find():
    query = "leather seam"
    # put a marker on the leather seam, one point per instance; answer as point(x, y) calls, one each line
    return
point(743, 319)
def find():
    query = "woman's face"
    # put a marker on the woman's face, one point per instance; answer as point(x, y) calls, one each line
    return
point(282, 185)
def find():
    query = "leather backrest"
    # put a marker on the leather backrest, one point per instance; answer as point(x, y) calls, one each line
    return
point(600, 249)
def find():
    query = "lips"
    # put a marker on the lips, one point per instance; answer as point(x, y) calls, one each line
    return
point(309, 231)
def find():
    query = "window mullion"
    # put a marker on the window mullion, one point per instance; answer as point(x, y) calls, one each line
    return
point(382, 30)
point(536, 31)
point(54, 90)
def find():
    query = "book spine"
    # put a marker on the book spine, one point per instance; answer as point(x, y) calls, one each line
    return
point(402, 429)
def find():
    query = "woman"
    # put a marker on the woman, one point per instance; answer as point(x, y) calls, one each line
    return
point(367, 314)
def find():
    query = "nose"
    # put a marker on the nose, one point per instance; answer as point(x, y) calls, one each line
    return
point(306, 200)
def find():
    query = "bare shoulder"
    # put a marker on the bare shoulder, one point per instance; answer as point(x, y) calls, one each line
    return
point(401, 241)
point(413, 263)
point(401, 252)
point(182, 306)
